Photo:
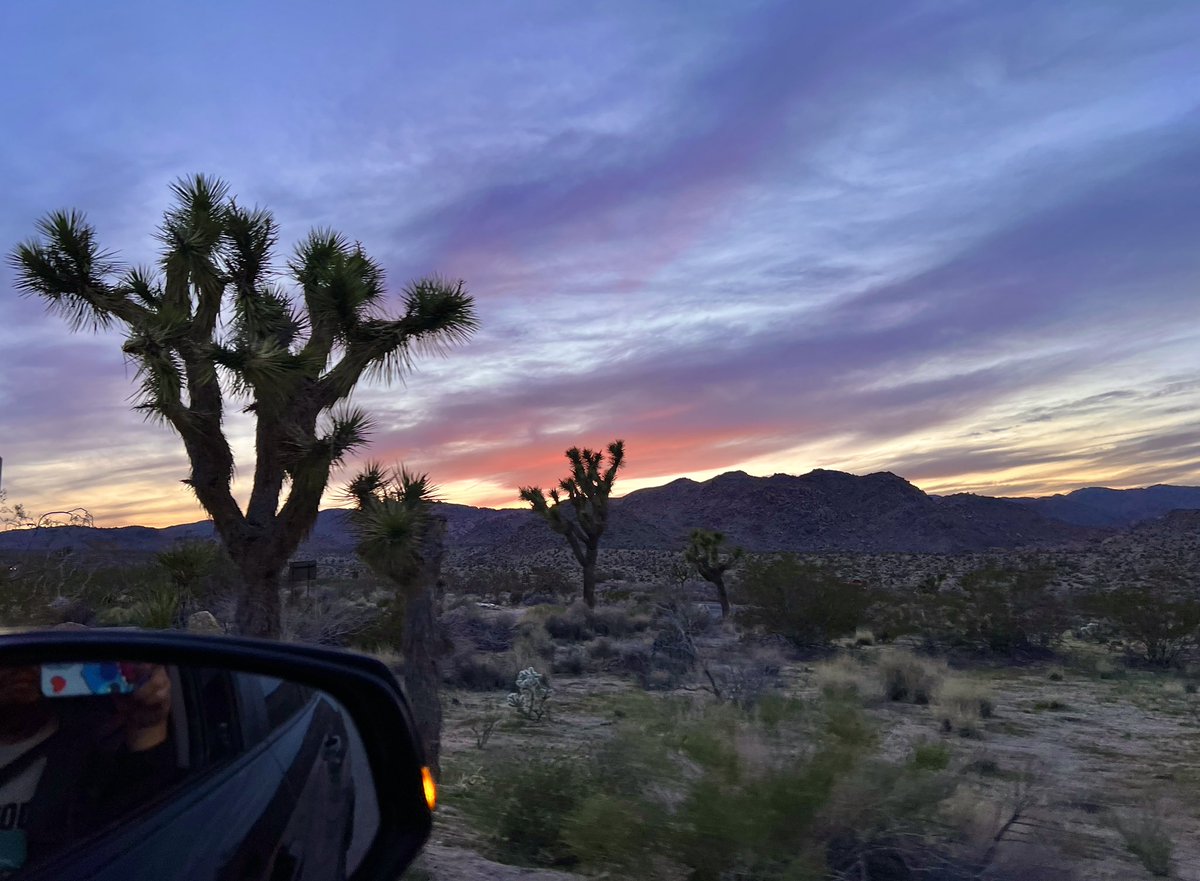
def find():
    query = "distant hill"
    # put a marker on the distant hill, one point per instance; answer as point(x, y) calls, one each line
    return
point(835, 511)
point(1099, 506)
point(822, 511)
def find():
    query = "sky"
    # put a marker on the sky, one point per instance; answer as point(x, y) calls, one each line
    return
point(955, 240)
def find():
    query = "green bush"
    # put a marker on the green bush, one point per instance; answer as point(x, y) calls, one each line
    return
point(681, 790)
point(1147, 838)
point(525, 806)
point(802, 602)
point(1008, 611)
point(930, 757)
point(1160, 624)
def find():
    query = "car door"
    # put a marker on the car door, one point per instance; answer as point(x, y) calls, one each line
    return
point(312, 815)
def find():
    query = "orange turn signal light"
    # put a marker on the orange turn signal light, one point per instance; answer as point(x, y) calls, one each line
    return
point(430, 788)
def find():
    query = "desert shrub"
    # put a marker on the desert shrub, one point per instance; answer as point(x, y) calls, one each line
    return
point(961, 704)
point(532, 642)
point(524, 805)
point(327, 618)
point(1011, 610)
point(1008, 611)
point(488, 631)
point(634, 658)
point(744, 681)
point(709, 792)
point(601, 649)
point(908, 678)
point(471, 671)
point(154, 608)
point(482, 727)
point(613, 621)
point(882, 818)
point(548, 581)
point(930, 756)
point(1146, 837)
point(1100, 666)
point(189, 564)
point(573, 625)
point(571, 661)
point(804, 603)
point(844, 678)
point(1158, 624)
point(672, 657)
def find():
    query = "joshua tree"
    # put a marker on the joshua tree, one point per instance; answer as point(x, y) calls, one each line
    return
point(587, 489)
point(208, 324)
point(706, 554)
point(402, 540)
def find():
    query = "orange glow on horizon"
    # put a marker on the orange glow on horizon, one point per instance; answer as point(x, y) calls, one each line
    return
point(163, 511)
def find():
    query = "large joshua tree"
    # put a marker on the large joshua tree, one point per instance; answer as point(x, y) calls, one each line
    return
point(402, 540)
point(585, 493)
point(707, 555)
point(209, 326)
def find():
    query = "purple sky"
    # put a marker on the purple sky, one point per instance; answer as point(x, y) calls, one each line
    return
point(955, 240)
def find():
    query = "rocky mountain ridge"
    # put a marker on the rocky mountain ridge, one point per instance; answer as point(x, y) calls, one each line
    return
point(822, 511)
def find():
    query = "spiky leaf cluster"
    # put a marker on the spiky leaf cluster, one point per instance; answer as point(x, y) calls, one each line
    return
point(708, 556)
point(392, 509)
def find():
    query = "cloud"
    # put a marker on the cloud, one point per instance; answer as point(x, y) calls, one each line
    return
point(935, 239)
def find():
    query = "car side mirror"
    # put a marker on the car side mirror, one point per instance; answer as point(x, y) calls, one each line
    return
point(130, 754)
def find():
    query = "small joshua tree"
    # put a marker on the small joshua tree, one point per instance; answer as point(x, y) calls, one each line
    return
point(586, 490)
point(402, 539)
point(706, 554)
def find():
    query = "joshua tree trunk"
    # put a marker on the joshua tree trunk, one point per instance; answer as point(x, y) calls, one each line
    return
point(722, 595)
point(420, 643)
point(258, 610)
point(589, 577)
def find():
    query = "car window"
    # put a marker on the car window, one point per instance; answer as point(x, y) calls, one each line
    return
point(213, 716)
point(282, 699)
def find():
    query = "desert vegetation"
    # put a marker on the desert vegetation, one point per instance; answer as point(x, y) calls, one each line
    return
point(1009, 716)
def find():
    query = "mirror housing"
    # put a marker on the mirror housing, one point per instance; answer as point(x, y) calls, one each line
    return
point(363, 686)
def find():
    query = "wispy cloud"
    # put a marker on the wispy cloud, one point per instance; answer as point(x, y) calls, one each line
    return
point(953, 241)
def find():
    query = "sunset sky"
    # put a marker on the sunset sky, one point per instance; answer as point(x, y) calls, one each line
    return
point(955, 240)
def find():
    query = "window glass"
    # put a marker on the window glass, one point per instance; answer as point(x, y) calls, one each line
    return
point(282, 699)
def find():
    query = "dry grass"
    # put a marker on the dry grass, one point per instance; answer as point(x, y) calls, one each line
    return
point(908, 678)
point(846, 678)
point(962, 705)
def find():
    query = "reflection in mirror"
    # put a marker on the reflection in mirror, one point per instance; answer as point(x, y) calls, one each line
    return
point(122, 770)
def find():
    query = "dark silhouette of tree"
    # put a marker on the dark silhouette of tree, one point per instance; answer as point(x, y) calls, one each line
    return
point(402, 540)
point(582, 515)
point(208, 326)
point(706, 554)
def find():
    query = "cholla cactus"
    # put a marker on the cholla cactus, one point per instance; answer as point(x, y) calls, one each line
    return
point(531, 695)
